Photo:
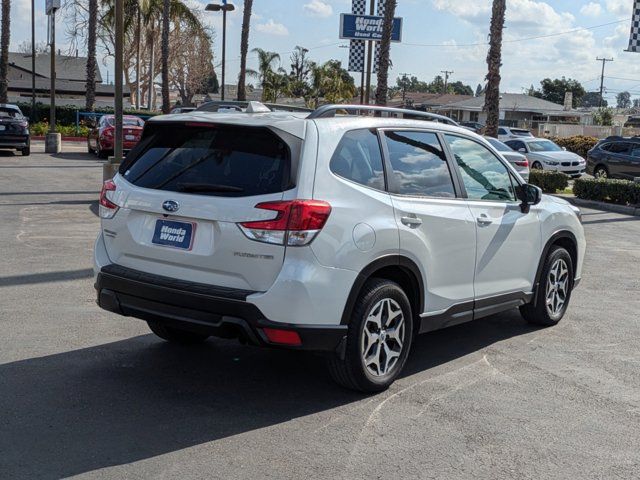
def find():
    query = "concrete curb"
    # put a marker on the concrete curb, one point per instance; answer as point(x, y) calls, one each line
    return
point(609, 207)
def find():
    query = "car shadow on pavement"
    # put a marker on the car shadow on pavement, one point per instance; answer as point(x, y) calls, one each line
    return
point(120, 402)
point(78, 156)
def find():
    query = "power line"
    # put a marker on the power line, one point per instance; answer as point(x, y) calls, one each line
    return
point(516, 40)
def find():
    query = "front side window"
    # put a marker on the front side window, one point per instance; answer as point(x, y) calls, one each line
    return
point(621, 148)
point(484, 176)
point(358, 158)
point(419, 164)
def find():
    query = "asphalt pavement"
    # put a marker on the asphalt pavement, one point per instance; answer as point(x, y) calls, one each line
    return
point(88, 394)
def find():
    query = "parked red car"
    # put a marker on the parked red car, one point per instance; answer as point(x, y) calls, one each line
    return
point(101, 138)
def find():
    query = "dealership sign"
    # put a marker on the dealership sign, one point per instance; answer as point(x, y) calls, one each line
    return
point(367, 27)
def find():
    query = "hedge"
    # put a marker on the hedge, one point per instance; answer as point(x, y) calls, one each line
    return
point(622, 192)
point(579, 144)
point(549, 182)
point(42, 128)
point(66, 114)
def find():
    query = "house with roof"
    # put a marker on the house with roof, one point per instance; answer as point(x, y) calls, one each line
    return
point(516, 110)
point(426, 102)
point(71, 78)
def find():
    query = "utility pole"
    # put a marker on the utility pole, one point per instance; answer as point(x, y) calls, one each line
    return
point(33, 62)
point(119, 21)
point(604, 61)
point(404, 88)
point(446, 78)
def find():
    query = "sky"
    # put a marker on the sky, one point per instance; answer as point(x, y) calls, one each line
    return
point(437, 35)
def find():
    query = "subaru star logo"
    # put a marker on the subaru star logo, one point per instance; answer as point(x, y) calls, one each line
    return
point(171, 206)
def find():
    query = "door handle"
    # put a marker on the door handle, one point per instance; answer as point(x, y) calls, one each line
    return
point(412, 222)
point(483, 220)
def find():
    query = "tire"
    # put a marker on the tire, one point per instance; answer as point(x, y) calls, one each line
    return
point(537, 166)
point(26, 151)
point(558, 265)
point(377, 299)
point(175, 335)
point(101, 153)
point(601, 172)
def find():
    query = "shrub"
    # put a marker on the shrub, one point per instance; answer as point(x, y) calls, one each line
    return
point(579, 144)
point(622, 192)
point(41, 128)
point(549, 182)
point(66, 114)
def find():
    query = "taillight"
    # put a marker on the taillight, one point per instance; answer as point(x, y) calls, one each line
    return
point(296, 224)
point(523, 163)
point(108, 132)
point(107, 208)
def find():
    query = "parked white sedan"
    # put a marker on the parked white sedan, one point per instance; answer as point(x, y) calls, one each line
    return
point(543, 154)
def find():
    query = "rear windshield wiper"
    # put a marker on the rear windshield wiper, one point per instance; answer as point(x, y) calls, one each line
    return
point(207, 187)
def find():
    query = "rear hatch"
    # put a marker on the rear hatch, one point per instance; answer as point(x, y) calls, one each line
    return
point(182, 192)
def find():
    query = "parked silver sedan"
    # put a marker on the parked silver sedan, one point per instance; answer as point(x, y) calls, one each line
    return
point(518, 160)
point(543, 154)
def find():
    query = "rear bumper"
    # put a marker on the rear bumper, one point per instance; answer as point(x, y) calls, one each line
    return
point(14, 141)
point(218, 311)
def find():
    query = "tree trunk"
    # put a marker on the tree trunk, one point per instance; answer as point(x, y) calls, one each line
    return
point(244, 47)
point(138, 42)
point(166, 104)
point(385, 47)
point(92, 64)
point(152, 74)
point(5, 37)
point(494, 61)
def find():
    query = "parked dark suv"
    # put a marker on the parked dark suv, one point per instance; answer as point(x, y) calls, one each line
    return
point(615, 157)
point(14, 129)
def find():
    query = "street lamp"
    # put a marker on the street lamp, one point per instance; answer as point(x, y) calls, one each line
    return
point(225, 7)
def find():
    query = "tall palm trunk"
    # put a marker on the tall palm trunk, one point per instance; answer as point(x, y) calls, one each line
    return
point(244, 47)
point(494, 61)
point(152, 73)
point(92, 64)
point(385, 47)
point(166, 105)
point(5, 37)
point(138, 45)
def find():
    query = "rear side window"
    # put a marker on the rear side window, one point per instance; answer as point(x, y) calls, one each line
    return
point(221, 160)
point(358, 158)
point(619, 147)
point(419, 164)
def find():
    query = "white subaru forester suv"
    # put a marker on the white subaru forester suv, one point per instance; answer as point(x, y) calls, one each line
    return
point(331, 231)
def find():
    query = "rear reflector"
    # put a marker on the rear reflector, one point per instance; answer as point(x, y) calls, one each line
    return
point(297, 222)
point(282, 337)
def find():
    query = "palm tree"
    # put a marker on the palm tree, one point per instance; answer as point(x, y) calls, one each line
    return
point(5, 37)
point(385, 46)
point(494, 61)
point(266, 61)
point(244, 47)
point(166, 4)
point(92, 64)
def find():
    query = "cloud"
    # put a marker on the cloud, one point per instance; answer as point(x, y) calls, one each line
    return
point(318, 8)
point(619, 7)
point(272, 28)
point(479, 10)
point(591, 9)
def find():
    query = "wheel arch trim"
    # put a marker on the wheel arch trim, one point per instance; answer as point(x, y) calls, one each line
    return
point(560, 234)
point(400, 261)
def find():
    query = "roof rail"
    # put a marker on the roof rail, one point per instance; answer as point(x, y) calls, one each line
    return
point(215, 105)
point(327, 111)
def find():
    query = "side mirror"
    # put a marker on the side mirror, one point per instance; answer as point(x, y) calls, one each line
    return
point(529, 195)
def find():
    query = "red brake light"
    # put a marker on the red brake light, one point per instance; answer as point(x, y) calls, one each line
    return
point(107, 208)
point(524, 163)
point(283, 337)
point(297, 222)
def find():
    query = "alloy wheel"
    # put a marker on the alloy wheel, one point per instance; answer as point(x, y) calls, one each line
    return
point(383, 337)
point(557, 287)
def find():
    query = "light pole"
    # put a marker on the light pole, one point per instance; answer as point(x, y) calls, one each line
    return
point(225, 7)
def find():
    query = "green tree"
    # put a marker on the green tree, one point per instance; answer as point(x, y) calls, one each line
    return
point(592, 99)
point(459, 88)
point(554, 90)
point(479, 90)
point(266, 63)
point(623, 100)
point(603, 116)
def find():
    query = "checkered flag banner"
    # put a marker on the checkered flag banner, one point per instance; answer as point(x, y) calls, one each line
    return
point(357, 48)
point(634, 37)
point(380, 7)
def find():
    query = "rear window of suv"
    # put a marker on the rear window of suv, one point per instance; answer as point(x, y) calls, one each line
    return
point(210, 159)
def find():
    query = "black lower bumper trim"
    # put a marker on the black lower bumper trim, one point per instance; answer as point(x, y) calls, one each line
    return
point(218, 311)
